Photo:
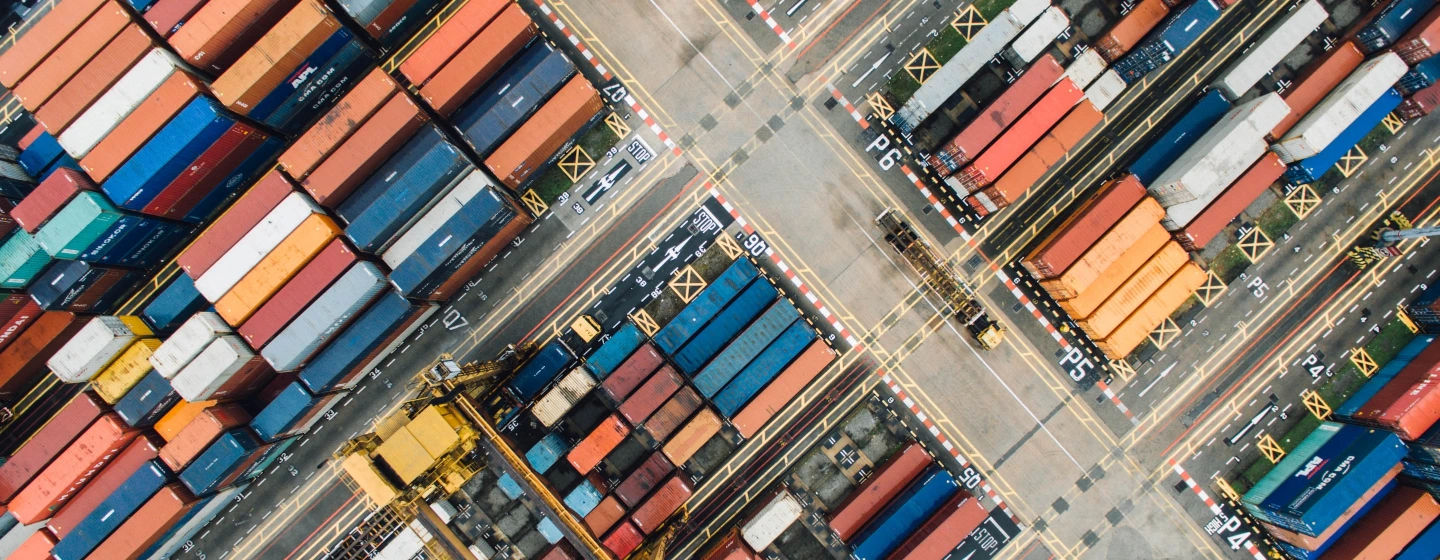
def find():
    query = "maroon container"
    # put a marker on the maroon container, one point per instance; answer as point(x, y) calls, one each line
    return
point(222, 30)
point(673, 414)
point(363, 152)
point(661, 504)
point(23, 362)
point(48, 443)
point(235, 223)
point(43, 38)
point(166, 16)
point(127, 48)
point(645, 400)
point(11, 304)
point(206, 172)
point(309, 283)
point(632, 372)
point(7, 217)
point(643, 480)
point(143, 449)
point(18, 321)
point(252, 377)
point(49, 197)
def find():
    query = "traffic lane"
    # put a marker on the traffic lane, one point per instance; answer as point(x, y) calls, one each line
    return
point(826, 42)
point(321, 522)
point(889, 53)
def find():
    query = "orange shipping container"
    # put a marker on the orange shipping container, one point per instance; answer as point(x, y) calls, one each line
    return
point(357, 157)
point(475, 64)
point(69, 472)
point(605, 515)
point(598, 444)
point(1316, 82)
point(42, 38)
point(1136, 289)
point(544, 134)
point(686, 442)
point(1106, 250)
point(439, 48)
point(1045, 154)
point(339, 122)
point(658, 507)
point(1086, 224)
point(70, 56)
point(1084, 305)
point(1131, 29)
point(37, 547)
point(147, 525)
point(222, 30)
point(262, 68)
point(1125, 338)
point(1077, 125)
point(1384, 532)
point(127, 48)
point(180, 415)
point(200, 433)
point(277, 268)
point(173, 95)
point(785, 386)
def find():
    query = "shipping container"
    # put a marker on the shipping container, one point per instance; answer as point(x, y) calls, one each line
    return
point(509, 99)
point(623, 539)
point(230, 228)
point(1045, 155)
point(1134, 291)
point(97, 76)
point(112, 512)
point(147, 401)
point(149, 523)
point(1410, 402)
point(359, 156)
point(311, 88)
point(220, 461)
point(1221, 155)
point(887, 482)
point(1382, 376)
point(632, 373)
point(784, 388)
point(772, 520)
point(33, 47)
point(402, 190)
point(745, 347)
point(1400, 379)
point(672, 414)
point(1423, 546)
point(583, 499)
point(277, 269)
point(643, 479)
point(87, 218)
point(68, 473)
point(452, 36)
point(215, 175)
point(1271, 48)
point(649, 396)
point(534, 143)
point(392, 21)
point(764, 368)
point(132, 365)
point(326, 316)
point(67, 59)
point(621, 344)
point(1419, 44)
point(546, 452)
point(150, 171)
point(726, 325)
point(21, 260)
point(1318, 544)
point(202, 431)
point(1083, 305)
point(227, 368)
point(49, 197)
point(1131, 28)
point(1019, 137)
point(732, 547)
point(1166, 42)
point(603, 439)
point(1106, 89)
point(547, 363)
point(996, 117)
point(134, 456)
point(906, 513)
point(166, 16)
point(118, 102)
point(1395, 521)
point(1195, 228)
point(187, 342)
point(222, 30)
point(1312, 168)
point(1038, 37)
point(262, 68)
point(1085, 68)
point(605, 515)
point(179, 416)
point(20, 312)
point(1136, 328)
point(698, 313)
point(23, 361)
point(361, 347)
point(1391, 23)
point(81, 287)
point(1180, 137)
point(94, 346)
point(1310, 504)
point(945, 530)
point(1105, 250)
point(342, 120)
point(659, 506)
point(454, 82)
point(1318, 79)
point(307, 284)
point(36, 547)
point(692, 436)
point(1340, 107)
point(252, 248)
point(292, 413)
point(426, 254)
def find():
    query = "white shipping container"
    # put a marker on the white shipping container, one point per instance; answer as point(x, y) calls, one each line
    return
point(212, 368)
point(436, 218)
point(1222, 154)
point(188, 341)
point(330, 312)
point(1353, 96)
point(17, 536)
point(772, 520)
point(128, 93)
point(1105, 90)
point(394, 344)
point(406, 544)
point(1271, 49)
point(985, 202)
point(1038, 36)
point(92, 348)
point(551, 407)
point(197, 520)
point(255, 245)
point(1085, 68)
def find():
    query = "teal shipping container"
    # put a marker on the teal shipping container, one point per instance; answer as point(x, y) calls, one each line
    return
point(21, 260)
point(82, 221)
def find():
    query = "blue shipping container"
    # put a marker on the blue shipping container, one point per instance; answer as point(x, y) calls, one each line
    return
point(1319, 551)
point(546, 452)
point(620, 345)
point(61, 286)
point(583, 498)
point(167, 154)
point(1383, 375)
point(1287, 466)
point(41, 154)
point(1424, 546)
point(1423, 75)
point(541, 370)
point(705, 306)
point(1179, 137)
point(473, 225)
point(173, 305)
point(1311, 462)
point(308, 70)
point(147, 401)
point(1426, 448)
point(271, 455)
point(402, 189)
point(108, 516)
point(329, 83)
point(284, 413)
point(219, 461)
point(1392, 22)
point(234, 183)
point(708, 342)
point(904, 514)
point(1166, 42)
point(1342, 481)
point(746, 347)
point(510, 98)
point(339, 359)
point(1311, 168)
point(764, 368)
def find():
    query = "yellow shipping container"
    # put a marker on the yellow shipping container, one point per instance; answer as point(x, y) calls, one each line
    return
point(1136, 289)
point(180, 416)
point(1160, 305)
point(277, 268)
point(369, 480)
point(686, 442)
point(127, 370)
point(436, 430)
point(1107, 250)
point(136, 324)
point(1083, 305)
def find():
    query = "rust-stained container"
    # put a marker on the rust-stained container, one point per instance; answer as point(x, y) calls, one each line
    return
point(126, 49)
point(339, 122)
point(70, 56)
point(262, 68)
point(601, 441)
point(340, 173)
point(481, 58)
point(202, 431)
point(140, 450)
point(1384, 532)
point(785, 386)
point(1411, 401)
point(141, 124)
point(1106, 250)
point(1136, 289)
point(605, 515)
point(994, 118)
point(632, 372)
point(453, 35)
point(945, 530)
point(639, 484)
point(1019, 137)
point(668, 498)
point(69, 472)
point(1068, 242)
point(694, 435)
point(673, 414)
point(1131, 29)
point(1223, 210)
point(545, 132)
point(34, 455)
point(1315, 83)
point(166, 16)
point(887, 482)
point(1161, 304)
point(732, 547)
point(222, 30)
point(309, 283)
point(645, 400)
point(49, 197)
point(23, 361)
point(623, 540)
point(17, 322)
point(234, 224)
point(1422, 41)
point(43, 38)
point(277, 268)
point(1083, 305)
point(179, 416)
point(147, 525)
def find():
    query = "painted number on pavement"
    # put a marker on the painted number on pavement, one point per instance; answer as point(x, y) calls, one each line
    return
point(1077, 365)
point(887, 158)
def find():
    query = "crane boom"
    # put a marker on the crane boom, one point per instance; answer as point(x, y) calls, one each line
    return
point(1397, 235)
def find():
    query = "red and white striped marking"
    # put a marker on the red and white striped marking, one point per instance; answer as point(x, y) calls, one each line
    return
point(650, 122)
point(854, 113)
point(1210, 503)
point(764, 15)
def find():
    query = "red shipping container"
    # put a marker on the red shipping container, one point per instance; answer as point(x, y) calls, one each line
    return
point(396, 13)
point(1066, 244)
point(1421, 103)
point(1417, 408)
point(141, 124)
point(439, 48)
point(561, 551)
point(140, 451)
point(1320, 77)
point(14, 326)
point(945, 530)
point(48, 442)
point(292, 298)
point(673, 414)
point(43, 38)
point(999, 114)
point(1021, 136)
point(49, 197)
point(11, 305)
point(1231, 203)
point(166, 16)
point(37, 547)
point(339, 123)
point(252, 377)
point(632, 372)
point(70, 56)
point(30, 137)
point(487, 253)
point(732, 548)
point(651, 395)
point(872, 495)
point(545, 132)
point(23, 362)
point(668, 498)
point(1402, 383)
point(200, 433)
point(222, 30)
point(1420, 43)
point(234, 223)
point(205, 173)
point(7, 221)
point(605, 515)
point(1384, 532)
point(145, 527)
point(601, 441)
point(1132, 28)
point(360, 155)
point(69, 472)
point(623, 540)
point(94, 79)
point(643, 480)
point(475, 64)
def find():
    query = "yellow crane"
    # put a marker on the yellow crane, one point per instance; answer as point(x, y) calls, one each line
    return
point(942, 278)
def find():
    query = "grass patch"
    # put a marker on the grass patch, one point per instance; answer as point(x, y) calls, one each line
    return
point(945, 45)
point(1370, 144)
point(992, 8)
point(553, 182)
point(1277, 219)
point(901, 87)
point(1229, 263)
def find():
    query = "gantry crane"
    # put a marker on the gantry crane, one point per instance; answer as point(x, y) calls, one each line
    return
point(1397, 228)
point(942, 278)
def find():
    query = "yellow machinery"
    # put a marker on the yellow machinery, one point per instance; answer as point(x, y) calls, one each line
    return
point(942, 278)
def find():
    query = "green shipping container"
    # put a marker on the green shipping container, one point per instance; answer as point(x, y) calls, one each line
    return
point(87, 217)
point(21, 260)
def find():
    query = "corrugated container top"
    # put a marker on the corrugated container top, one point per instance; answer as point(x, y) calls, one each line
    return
point(129, 368)
point(481, 58)
point(905, 514)
point(705, 306)
point(633, 372)
point(619, 346)
point(1040, 34)
point(1203, 227)
point(97, 344)
point(176, 93)
point(187, 342)
point(1322, 124)
point(1277, 42)
point(1391, 22)
point(282, 49)
point(234, 224)
point(291, 299)
point(1384, 532)
point(126, 49)
point(222, 30)
point(54, 436)
point(1132, 28)
point(605, 515)
point(945, 530)
point(644, 478)
point(1163, 151)
point(666, 499)
point(771, 520)
point(70, 56)
point(1380, 378)
point(536, 140)
point(1319, 78)
point(1005, 109)
point(551, 407)
point(1222, 154)
point(219, 461)
point(509, 99)
point(541, 369)
point(438, 48)
point(255, 245)
point(135, 455)
point(40, 40)
point(1419, 44)
point(200, 433)
point(888, 481)
point(692, 436)
point(330, 312)
point(1312, 502)
point(339, 123)
point(1085, 226)
point(119, 101)
point(1023, 134)
point(49, 197)
point(598, 444)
